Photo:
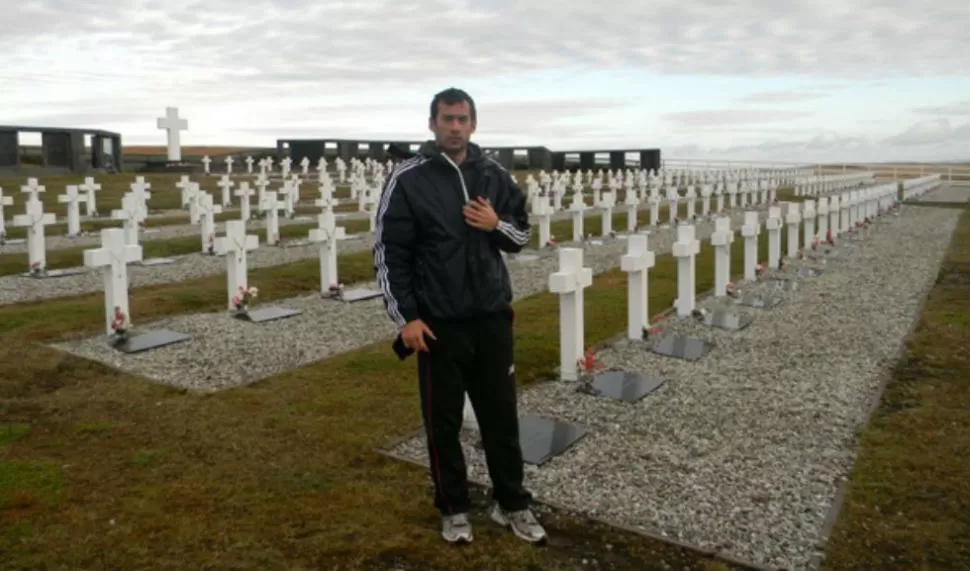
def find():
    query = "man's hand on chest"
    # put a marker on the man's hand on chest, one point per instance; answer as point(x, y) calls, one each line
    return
point(479, 214)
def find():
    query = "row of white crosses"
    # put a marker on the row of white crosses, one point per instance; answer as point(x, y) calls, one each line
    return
point(571, 279)
point(827, 184)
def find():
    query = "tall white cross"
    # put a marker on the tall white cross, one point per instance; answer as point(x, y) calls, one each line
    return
point(632, 203)
point(773, 225)
point(207, 217)
point(206, 161)
point(244, 192)
point(271, 205)
point(685, 249)
point(35, 219)
point(606, 204)
point(234, 245)
point(89, 187)
point(249, 165)
point(113, 258)
point(542, 209)
point(569, 283)
point(793, 217)
point(172, 125)
point(637, 263)
point(750, 231)
point(721, 239)
point(229, 161)
point(140, 189)
point(225, 183)
point(327, 234)
point(72, 198)
point(808, 222)
point(194, 193)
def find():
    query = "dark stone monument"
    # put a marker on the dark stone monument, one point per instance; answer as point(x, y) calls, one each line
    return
point(151, 340)
point(723, 319)
point(544, 438)
point(9, 149)
point(624, 385)
point(682, 347)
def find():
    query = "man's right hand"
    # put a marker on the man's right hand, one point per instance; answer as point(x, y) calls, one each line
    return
point(413, 335)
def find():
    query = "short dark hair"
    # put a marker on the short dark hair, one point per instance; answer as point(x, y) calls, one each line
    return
point(451, 96)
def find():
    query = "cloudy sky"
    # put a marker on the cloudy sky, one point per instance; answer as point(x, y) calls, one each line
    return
point(784, 80)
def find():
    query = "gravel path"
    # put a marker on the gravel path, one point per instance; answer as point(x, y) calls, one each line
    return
point(18, 288)
point(743, 451)
point(226, 352)
point(947, 194)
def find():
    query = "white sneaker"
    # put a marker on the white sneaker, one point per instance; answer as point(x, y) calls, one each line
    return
point(456, 528)
point(523, 524)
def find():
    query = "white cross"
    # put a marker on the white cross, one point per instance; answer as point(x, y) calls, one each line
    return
point(773, 225)
point(130, 216)
point(206, 161)
point(140, 189)
point(578, 208)
point(305, 165)
point(32, 189)
point(249, 165)
point(327, 234)
point(569, 283)
point(685, 249)
point(194, 193)
point(606, 203)
point(89, 188)
point(793, 217)
point(637, 263)
point(72, 199)
point(721, 239)
point(113, 258)
point(673, 199)
point(632, 203)
point(244, 192)
point(4, 201)
point(184, 185)
point(172, 124)
point(225, 183)
point(229, 161)
point(271, 205)
point(288, 192)
point(542, 209)
point(35, 219)
point(207, 217)
point(808, 222)
point(234, 245)
point(750, 231)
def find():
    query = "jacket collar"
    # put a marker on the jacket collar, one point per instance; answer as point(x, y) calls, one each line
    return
point(430, 149)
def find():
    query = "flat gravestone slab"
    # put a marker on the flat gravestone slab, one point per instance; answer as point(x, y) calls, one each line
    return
point(810, 272)
point(526, 257)
point(544, 438)
point(682, 347)
point(14, 242)
point(626, 386)
point(761, 301)
point(156, 262)
point(360, 294)
point(151, 340)
point(723, 319)
point(296, 243)
point(56, 273)
point(272, 313)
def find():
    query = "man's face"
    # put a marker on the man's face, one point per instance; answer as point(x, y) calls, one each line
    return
point(452, 127)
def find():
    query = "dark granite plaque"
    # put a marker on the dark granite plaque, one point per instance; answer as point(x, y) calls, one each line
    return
point(723, 319)
point(151, 340)
point(264, 314)
point(682, 347)
point(767, 301)
point(625, 385)
point(56, 273)
point(543, 438)
point(360, 294)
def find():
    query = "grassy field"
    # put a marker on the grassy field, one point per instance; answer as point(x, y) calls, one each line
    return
point(102, 470)
point(907, 505)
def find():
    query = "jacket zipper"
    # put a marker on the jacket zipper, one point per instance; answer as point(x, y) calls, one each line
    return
point(461, 178)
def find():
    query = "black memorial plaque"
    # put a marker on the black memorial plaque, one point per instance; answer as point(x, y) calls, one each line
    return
point(56, 273)
point(151, 340)
point(57, 149)
point(625, 385)
point(723, 319)
point(9, 149)
point(766, 301)
point(544, 438)
point(360, 294)
point(682, 347)
point(265, 314)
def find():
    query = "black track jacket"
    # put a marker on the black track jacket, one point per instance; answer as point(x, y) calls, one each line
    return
point(429, 262)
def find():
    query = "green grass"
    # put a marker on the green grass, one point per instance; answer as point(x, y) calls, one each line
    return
point(907, 505)
point(283, 474)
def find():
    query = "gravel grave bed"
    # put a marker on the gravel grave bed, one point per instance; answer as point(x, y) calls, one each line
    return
point(947, 193)
point(743, 451)
point(19, 288)
point(226, 352)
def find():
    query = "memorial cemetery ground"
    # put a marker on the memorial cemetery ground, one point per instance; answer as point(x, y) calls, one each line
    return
point(102, 469)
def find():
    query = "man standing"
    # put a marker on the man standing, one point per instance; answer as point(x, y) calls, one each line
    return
point(444, 217)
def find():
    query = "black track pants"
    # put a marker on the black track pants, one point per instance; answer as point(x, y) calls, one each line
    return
point(477, 356)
